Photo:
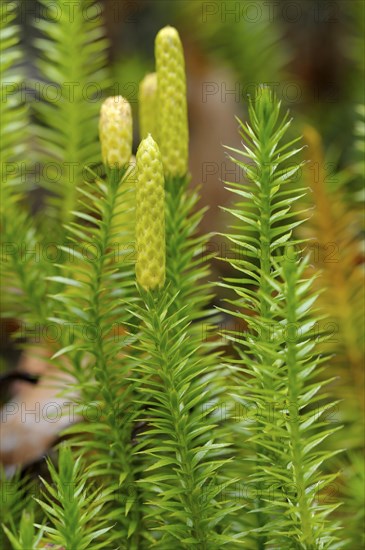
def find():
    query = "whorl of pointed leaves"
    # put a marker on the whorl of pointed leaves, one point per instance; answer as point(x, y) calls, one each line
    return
point(26, 536)
point(277, 351)
point(96, 286)
point(148, 118)
point(13, 113)
point(72, 62)
point(16, 508)
point(173, 138)
point(116, 132)
point(150, 216)
point(264, 199)
point(295, 420)
point(22, 274)
point(73, 507)
point(183, 482)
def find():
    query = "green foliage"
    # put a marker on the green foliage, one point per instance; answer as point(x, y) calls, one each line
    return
point(13, 112)
point(73, 508)
point(97, 283)
point(15, 497)
point(151, 462)
point(72, 63)
point(20, 270)
point(183, 484)
point(279, 363)
point(27, 537)
point(186, 258)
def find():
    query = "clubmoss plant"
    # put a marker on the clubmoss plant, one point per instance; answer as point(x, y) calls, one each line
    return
point(26, 535)
point(16, 509)
point(277, 349)
point(19, 273)
point(181, 480)
point(102, 279)
point(72, 58)
point(72, 506)
point(151, 459)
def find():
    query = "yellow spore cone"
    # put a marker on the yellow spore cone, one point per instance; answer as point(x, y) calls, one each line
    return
point(116, 132)
point(150, 216)
point(173, 135)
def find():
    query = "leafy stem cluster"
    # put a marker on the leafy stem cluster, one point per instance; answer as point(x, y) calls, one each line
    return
point(153, 467)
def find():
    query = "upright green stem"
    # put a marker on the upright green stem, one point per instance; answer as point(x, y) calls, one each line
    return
point(109, 390)
point(36, 303)
point(185, 265)
point(73, 145)
point(175, 239)
point(265, 269)
point(184, 456)
point(294, 410)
